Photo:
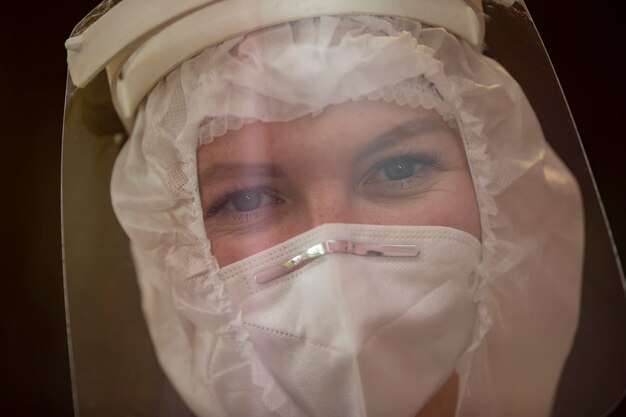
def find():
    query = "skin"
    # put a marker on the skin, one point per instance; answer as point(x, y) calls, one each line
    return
point(358, 162)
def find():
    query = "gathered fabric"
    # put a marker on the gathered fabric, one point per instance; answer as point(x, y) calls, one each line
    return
point(529, 277)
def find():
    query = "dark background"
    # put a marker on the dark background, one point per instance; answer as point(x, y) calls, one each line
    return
point(585, 42)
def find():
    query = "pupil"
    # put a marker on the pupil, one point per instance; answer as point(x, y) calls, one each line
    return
point(250, 200)
point(399, 170)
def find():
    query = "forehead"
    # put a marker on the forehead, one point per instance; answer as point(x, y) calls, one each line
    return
point(338, 130)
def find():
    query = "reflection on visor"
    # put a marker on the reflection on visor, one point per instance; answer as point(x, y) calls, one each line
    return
point(378, 123)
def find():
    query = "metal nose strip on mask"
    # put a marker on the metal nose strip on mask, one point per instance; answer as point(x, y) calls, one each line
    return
point(334, 246)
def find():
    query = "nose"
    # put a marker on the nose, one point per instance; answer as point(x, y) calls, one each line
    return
point(329, 204)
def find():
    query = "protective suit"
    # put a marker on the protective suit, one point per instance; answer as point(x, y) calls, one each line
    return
point(347, 212)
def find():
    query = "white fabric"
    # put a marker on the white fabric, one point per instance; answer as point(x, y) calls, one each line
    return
point(343, 362)
point(531, 213)
point(364, 66)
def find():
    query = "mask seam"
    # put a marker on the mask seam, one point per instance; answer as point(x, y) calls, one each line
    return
point(289, 335)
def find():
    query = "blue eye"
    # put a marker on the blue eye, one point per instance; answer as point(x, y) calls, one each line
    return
point(400, 169)
point(245, 201)
point(397, 171)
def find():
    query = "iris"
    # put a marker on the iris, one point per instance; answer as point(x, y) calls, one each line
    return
point(400, 169)
point(247, 200)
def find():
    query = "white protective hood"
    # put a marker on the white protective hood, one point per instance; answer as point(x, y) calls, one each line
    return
point(530, 207)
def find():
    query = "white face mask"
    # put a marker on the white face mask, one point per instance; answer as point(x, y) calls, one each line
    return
point(372, 335)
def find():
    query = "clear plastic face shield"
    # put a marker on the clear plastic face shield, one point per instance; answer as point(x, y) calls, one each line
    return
point(326, 208)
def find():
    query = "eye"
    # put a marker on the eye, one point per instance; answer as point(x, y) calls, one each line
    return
point(247, 200)
point(244, 201)
point(399, 171)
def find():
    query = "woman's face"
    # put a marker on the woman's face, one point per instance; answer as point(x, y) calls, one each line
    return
point(359, 162)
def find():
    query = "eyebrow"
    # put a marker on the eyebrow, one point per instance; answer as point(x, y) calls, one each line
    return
point(222, 171)
point(397, 134)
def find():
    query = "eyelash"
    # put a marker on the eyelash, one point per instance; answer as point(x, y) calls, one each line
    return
point(423, 159)
point(227, 196)
point(427, 160)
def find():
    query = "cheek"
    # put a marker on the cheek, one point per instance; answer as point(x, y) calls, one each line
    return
point(458, 207)
point(232, 247)
point(450, 203)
